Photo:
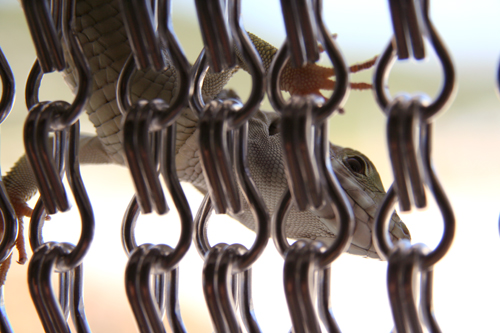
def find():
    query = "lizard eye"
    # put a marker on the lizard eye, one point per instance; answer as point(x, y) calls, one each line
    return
point(356, 164)
point(274, 128)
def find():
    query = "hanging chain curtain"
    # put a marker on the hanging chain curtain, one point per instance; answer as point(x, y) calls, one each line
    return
point(149, 130)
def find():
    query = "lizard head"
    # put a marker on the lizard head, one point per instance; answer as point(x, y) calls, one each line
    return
point(362, 184)
point(356, 174)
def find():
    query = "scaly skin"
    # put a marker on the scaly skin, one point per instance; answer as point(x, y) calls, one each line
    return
point(100, 30)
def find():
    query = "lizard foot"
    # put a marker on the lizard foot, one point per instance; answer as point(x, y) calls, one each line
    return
point(4, 268)
point(22, 210)
point(312, 78)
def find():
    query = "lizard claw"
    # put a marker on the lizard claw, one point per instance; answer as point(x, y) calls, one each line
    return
point(312, 78)
point(307, 80)
point(22, 210)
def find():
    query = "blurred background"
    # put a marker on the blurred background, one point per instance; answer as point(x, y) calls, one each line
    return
point(465, 154)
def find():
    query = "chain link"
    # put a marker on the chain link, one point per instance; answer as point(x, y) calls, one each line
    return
point(406, 116)
point(10, 224)
point(49, 165)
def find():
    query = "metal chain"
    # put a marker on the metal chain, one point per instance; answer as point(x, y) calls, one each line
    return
point(61, 118)
point(149, 129)
point(144, 123)
point(412, 167)
point(9, 220)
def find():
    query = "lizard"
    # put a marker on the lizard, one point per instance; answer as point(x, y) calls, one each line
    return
point(100, 30)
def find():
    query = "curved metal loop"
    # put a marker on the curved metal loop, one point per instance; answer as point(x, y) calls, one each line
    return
point(51, 312)
point(222, 282)
point(217, 37)
point(387, 59)
point(338, 202)
point(76, 255)
point(405, 265)
point(405, 23)
point(253, 63)
point(149, 307)
point(145, 44)
point(210, 290)
point(70, 114)
point(245, 302)
point(301, 266)
point(169, 174)
point(44, 32)
point(197, 75)
point(255, 203)
point(9, 218)
point(215, 156)
point(404, 117)
point(8, 87)
point(248, 54)
point(426, 300)
point(341, 91)
point(166, 41)
point(5, 325)
point(139, 143)
point(381, 238)
point(36, 130)
point(324, 305)
point(300, 165)
point(64, 17)
point(301, 31)
point(123, 86)
point(10, 229)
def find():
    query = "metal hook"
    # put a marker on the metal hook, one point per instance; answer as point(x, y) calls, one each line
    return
point(381, 238)
point(44, 33)
point(215, 157)
point(405, 265)
point(51, 312)
point(246, 304)
point(248, 54)
point(77, 308)
point(5, 325)
point(255, 202)
point(210, 290)
point(216, 35)
point(388, 58)
point(36, 129)
point(403, 118)
point(138, 21)
point(324, 304)
point(301, 167)
point(341, 91)
point(406, 24)
point(8, 87)
point(10, 227)
point(426, 300)
point(301, 31)
point(169, 174)
point(220, 273)
point(64, 16)
point(147, 47)
point(138, 144)
point(338, 203)
point(301, 265)
point(148, 308)
point(253, 64)
point(76, 255)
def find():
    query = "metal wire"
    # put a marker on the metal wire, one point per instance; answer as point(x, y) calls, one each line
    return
point(407, 115)
point(149, 140)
